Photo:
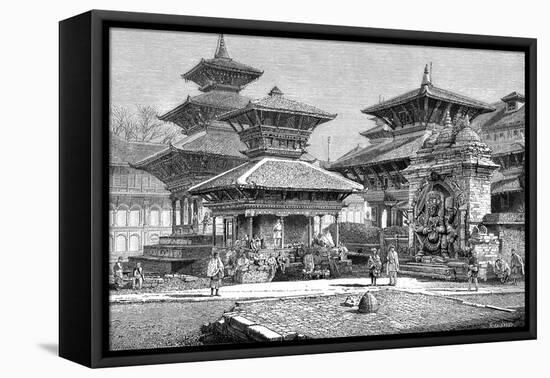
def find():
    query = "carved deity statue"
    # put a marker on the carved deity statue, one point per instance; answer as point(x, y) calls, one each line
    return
point(436, 225)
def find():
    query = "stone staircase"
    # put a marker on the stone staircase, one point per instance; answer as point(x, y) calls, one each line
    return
point(448, 271)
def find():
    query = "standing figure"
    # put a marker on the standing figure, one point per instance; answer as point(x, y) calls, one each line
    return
point(257, 243)
point(262, 241)
point(309, 265)
point(502, 270)
point(517, 268)
point(473, 269)
point(392, 266)
point(278, 234)
point(281, 262)
point(138, 277)
point(374, 265)
point(215, 273)
point(205, 221)
point(118, 274)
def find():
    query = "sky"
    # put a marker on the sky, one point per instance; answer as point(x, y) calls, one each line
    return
point(338, 77)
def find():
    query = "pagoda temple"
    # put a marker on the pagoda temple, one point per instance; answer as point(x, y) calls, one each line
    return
point(209, 148)
point(275, 194)
point(403, 124)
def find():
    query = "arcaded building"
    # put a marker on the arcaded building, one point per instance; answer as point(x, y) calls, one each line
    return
point(139, 209)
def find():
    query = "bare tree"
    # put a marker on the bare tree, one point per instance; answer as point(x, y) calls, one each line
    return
point(142, 126)
point(122, 122)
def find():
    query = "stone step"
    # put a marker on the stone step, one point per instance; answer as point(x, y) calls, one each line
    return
point(433, 275)
point(419, 268)
point(424, 264)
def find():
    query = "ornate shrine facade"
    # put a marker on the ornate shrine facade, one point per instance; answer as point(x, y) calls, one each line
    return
point(403, 124)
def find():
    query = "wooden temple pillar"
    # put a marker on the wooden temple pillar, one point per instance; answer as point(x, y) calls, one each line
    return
point(282, 231)
point(337, 223)
point(214, 230)
point(224, 236)
point(173, 214)
point(321, 224)
point(233, 230)
point(309, 231)
point(195, 214)
point(189, 211)
point(250, 226)
point(182, 213)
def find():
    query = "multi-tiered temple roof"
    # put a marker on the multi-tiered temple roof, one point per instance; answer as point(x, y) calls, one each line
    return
point(275, 130)
point(403, 124)
point(221, 79)
point(210, 146)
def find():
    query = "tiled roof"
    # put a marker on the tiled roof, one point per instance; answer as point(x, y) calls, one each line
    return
point(396, 149)
point(219, 139)
point(122, 152)
point(225, 100)
point(376, 132)
point(214, 142)
point(505, 148)
point(232, 65)
point(279, 174)
point(223, 64)
point(499, 119)
point(513, 96)
point(430, 91)
point(506, 185)
point(277, 102)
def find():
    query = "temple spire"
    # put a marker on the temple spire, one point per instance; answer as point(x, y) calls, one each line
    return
point(426, 78)
point(221, 50)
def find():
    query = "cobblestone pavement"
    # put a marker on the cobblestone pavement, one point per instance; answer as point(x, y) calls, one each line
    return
point(161, 325)
point(503, 300)
point(400, 312)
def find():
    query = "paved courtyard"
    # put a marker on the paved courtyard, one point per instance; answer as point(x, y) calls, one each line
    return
point(313, 309)
point(400, 312)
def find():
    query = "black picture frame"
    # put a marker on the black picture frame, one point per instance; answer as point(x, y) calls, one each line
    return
point(83, 196)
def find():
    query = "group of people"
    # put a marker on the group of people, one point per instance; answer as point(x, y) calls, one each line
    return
point(504, 271)
point(254, 243)
point(137, 275)
point(374, 265)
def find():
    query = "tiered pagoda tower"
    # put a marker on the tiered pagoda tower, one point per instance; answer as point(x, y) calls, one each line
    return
point(211, 146)
point(403, 124)
point(275, 189)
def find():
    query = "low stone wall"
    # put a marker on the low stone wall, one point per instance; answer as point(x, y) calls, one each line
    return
point(510, 229)
point(486, 248)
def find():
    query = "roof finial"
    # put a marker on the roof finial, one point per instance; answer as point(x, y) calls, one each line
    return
point(221, 50)
point(275, 91)
point(426, 79)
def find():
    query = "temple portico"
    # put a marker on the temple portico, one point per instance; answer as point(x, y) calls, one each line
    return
point(186, 212)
